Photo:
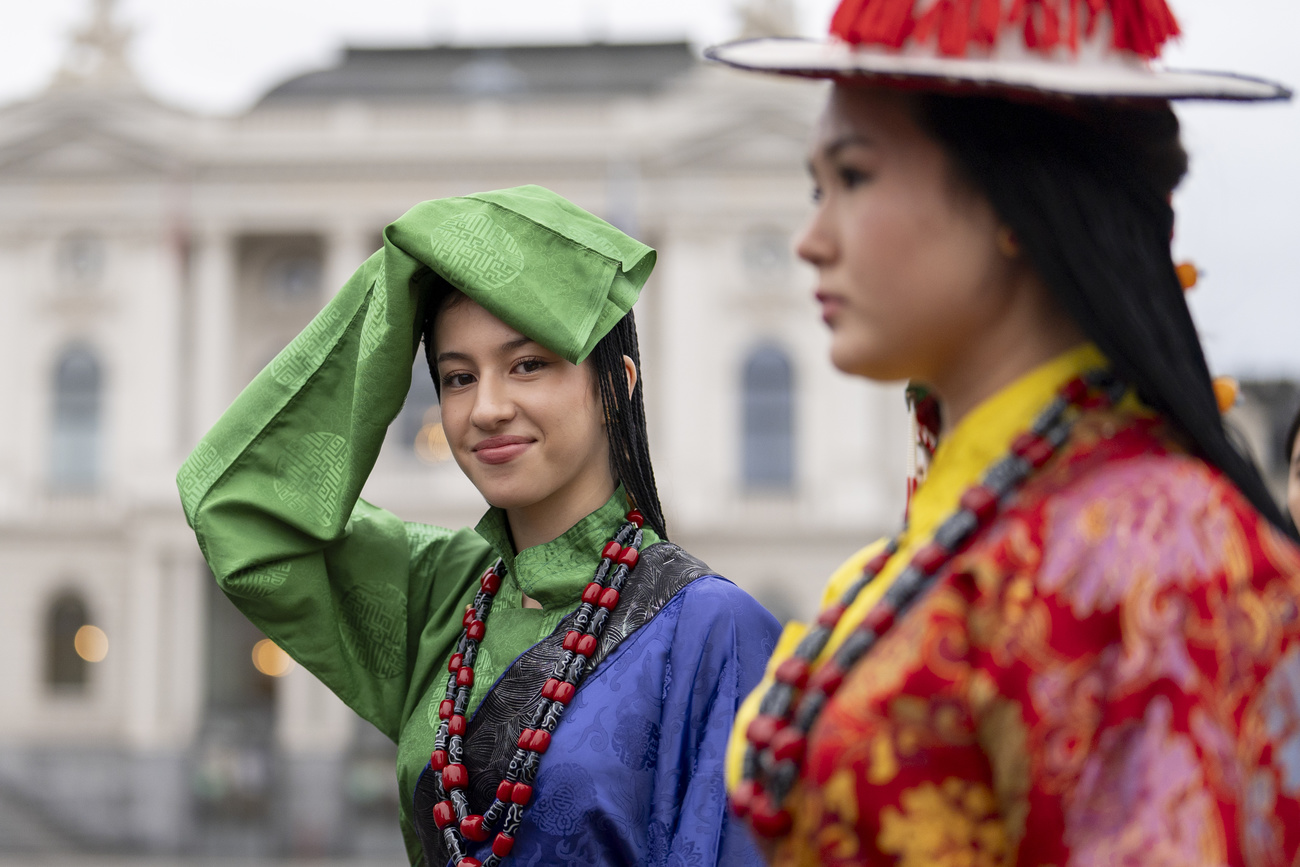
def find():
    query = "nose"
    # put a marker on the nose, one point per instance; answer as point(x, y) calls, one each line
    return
point(492, 404)
point(816, 244)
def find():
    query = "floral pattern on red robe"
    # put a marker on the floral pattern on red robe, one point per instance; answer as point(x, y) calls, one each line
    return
point(1110, 675)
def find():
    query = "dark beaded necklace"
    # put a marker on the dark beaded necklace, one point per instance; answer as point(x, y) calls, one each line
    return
point(451, 778)
point(778, 736)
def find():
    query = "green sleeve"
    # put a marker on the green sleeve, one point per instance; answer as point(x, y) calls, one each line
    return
point(368, 604)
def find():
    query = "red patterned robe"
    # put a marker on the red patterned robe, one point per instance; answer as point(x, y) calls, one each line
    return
point(1109, 676)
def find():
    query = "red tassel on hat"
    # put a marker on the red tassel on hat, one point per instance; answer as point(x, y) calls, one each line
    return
point(1140, 26)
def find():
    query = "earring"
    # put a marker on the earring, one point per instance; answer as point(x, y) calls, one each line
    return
point(1007, 244)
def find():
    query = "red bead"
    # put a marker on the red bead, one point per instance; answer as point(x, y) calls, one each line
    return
point(471, 828)
point(879, 619)
point(571, 639)
point(453, 664)
point(476, 630)
point(1074, 390)
point(525, 738)
point(877, 563)
point(444, 813)
point(789, 744)
point(628, 557)
point(931, 558)
point(830, 615)
point(548, 690)
point(504, 789)
point(502, 845)
point(456, 725)
point(445, 708)
point(438, 760)
point(793, 671)
point(762, 729)
point(609, 599)
point(827, 679)
point(564, 692)
point(469, 616)
point(1040, 454)
point(592, 594)
point(469, 862)
point(455, 776)
point(742, 799)
point(635, 517)
point(465, 677)
point(611, 551)
point(981, 502)
point(541, 741)
point(767, 819)
point(521, 794)
point(491, 582)
point(586, 645)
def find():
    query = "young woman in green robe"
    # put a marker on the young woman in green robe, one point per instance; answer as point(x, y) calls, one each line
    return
point(560, 679)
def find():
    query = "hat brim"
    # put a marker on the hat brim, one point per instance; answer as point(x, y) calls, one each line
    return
point(839, 60)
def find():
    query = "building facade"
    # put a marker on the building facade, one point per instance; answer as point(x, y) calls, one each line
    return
point(152, 261)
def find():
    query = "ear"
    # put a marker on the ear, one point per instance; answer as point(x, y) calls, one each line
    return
point(630, 367)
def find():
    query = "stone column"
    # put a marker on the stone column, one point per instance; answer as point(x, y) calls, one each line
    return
point(313, 730)
point(347, 245)
point(213, 326)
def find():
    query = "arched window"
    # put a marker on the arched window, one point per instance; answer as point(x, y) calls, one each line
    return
point(65, 668)
point(768, 420)
point(75, 439)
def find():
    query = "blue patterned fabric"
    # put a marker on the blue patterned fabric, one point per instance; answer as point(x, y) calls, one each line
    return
point(634, 773)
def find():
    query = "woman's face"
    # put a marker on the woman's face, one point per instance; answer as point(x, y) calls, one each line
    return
point(523, 423)
point(1293, 483)
point(910, 271)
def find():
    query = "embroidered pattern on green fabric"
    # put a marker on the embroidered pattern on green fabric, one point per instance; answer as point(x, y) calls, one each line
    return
point(297, 361)
point(476, 252)
point(372, 624)
point(375, 328)
point(197, 475)
point(259, 581)
point(309, 476)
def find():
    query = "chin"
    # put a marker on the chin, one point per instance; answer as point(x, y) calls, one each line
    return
point(857, 357)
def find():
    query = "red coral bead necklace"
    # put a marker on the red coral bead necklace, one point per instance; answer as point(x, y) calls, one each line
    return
point(451, 812)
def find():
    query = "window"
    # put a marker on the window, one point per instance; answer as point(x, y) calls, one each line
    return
point(294, 277)
point(768, 415)
point(68, 643)
point(75, 446)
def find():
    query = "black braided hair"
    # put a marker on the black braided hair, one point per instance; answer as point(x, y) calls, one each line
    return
point(1086, 189)
point(629, 442)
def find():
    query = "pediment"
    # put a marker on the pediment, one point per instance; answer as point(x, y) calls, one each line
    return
point(80, 148)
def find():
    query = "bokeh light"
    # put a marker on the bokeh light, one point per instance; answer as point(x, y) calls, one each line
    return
point(269, 659)
point(91, 643)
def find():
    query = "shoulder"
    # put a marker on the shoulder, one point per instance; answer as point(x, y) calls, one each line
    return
point(712, 605)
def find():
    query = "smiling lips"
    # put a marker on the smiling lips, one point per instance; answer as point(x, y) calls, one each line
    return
point(501, 449)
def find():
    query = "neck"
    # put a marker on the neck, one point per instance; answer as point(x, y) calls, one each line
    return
point(548, 519)
point(1020, 342)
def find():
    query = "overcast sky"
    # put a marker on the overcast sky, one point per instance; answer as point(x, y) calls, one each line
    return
point(1239, 212)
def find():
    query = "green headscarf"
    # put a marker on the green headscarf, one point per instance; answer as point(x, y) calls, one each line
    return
point(536, 261)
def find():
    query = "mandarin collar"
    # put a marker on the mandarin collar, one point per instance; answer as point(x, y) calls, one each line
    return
point(556, 573)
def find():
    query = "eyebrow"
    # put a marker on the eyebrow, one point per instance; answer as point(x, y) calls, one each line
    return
point(831, 150)
point(508, 346)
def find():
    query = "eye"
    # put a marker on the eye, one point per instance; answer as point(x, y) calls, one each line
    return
point(457, 380)
point(851, 177)
point(529, 365)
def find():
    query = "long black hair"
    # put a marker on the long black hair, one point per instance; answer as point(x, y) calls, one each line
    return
point(629, 443)
point(1086, 187)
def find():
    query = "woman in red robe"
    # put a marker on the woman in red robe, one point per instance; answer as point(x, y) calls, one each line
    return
point(1084, 646)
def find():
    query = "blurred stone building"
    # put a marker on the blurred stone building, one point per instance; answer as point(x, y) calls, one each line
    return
point(152, 261)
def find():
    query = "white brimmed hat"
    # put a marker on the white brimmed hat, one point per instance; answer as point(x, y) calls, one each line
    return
point(1062, 49)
